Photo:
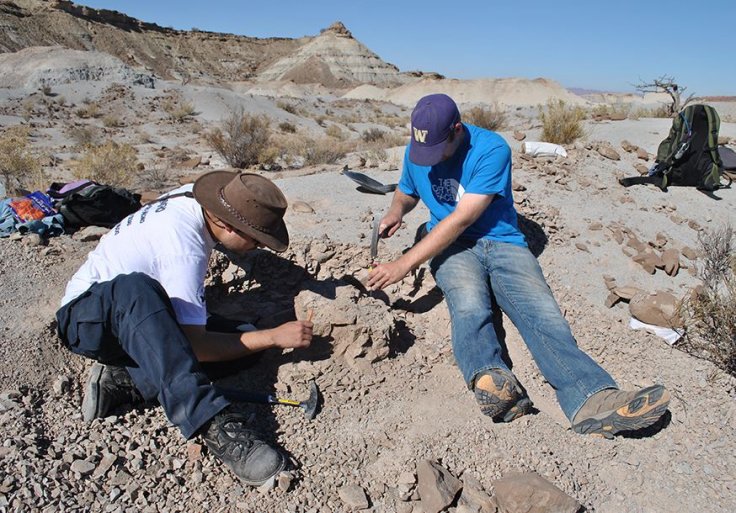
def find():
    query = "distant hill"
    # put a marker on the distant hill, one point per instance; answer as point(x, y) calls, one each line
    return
point(333, 58)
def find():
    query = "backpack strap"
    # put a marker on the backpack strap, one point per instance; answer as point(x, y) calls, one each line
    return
point(188, 194)
point(657, 179)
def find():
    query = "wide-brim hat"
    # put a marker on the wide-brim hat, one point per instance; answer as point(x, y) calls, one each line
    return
point(248, 202)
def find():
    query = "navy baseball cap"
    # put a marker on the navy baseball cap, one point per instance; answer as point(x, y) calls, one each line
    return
point(432, 122)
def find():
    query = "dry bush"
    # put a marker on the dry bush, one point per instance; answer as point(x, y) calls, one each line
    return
point(492, 118)
point(287, 128)
point(17, 164)
point(112, 121)
point(604, 111)
point(288, 107)
point(90, 110)
point(336, 132)
point(155, 177)
point(84, 135)
point(373, 135)
point(177, 109)
point(653, 112)
point(109, 163)
point(324, 151)
point(242, 138)
point(710, 312)
point(561, 124)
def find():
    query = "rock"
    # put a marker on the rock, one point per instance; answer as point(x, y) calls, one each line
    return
point(611, 300)
point(474, 498)
point(617, 116)
point(269, 485)
point(671, 260)
point(83, 467)
point(608, 152)
point(354, 497)
point(516, 186)
point(582, 247)
point(302, 207)
point(62, 385)
point(689, 253)
point(284, 482)
point(191, 163)
point(530, 493)
point(355, 161)
point(659, 308)
point(90, 233)
point(519, 136)
point(33, 240)
point(194, 452)
point(642, 154)
point(641, 168)
point(104, 465)
point(626, 292)
point(436, 486)
point(628, 147)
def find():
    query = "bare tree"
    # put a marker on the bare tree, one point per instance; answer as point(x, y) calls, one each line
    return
point(667, 84)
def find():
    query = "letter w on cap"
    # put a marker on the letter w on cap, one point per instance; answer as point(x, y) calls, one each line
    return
point(420, 135)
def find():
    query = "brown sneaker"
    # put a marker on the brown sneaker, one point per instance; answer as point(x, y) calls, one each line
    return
point(500, 396)
point(611, 411)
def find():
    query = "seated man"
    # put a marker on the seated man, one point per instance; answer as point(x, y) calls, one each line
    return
point(462, 173)
point(137, 306)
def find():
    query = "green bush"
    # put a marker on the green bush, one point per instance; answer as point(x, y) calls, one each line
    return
point(561, 124)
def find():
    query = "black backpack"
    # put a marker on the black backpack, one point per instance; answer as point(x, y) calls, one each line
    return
point(689, 155)
point(97, 205)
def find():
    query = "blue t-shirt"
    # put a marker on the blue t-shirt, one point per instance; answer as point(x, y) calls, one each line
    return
point(481, 165)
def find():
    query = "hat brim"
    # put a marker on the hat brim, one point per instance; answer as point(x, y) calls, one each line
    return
point(206, 191)
point(423, 155)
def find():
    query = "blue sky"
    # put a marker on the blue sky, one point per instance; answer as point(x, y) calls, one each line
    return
point(587, 44)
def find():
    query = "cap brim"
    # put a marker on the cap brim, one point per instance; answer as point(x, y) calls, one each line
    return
point(206, 190)
point(427, 155)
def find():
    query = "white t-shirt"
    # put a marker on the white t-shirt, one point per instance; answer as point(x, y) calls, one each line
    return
point(168, 241)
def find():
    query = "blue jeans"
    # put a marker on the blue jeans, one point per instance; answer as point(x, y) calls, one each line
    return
point(130, 321)
point(469, 272)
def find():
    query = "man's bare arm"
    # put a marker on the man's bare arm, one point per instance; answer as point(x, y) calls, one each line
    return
point(211, 346)
point(468, 210)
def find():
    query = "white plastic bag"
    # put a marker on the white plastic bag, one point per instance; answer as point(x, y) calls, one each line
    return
point(542, 149)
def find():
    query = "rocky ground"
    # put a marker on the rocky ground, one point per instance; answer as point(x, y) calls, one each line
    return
point(395, 413)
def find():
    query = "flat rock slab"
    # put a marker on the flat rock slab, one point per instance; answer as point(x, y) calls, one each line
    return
point(530, 493)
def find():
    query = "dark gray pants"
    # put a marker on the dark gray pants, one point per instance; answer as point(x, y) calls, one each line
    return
point(130, 321)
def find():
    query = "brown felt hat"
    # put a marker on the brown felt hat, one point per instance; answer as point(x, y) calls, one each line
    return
point(249, 203)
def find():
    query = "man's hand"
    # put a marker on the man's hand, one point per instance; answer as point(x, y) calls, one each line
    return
point(384, 275)
point(294, 334)
point(389, 224)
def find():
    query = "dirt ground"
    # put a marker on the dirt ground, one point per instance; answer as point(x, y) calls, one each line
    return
point(378, 418)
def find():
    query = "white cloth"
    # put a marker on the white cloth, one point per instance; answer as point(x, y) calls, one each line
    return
point(542, 149)
point(166, 240)
point(668, 334)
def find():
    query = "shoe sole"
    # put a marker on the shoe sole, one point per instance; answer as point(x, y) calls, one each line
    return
point(90, 403)
point(645, 409)
point(502, 404)
point(272, 476)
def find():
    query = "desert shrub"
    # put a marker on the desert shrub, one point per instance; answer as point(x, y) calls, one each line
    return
point(287, 127)
point(320, 120)
point(561, 124)
point(110, 163)
point(323, 151)
point(242, 138)
point(84, 135)
point(710, 312)
point(288, 107)
point(17, 164)
point(604, 111)
point(112, 121)
point(177, 109)
point(45, 88)
point(27, 108)
point(335, 131)
point(156, 176)
point(654, 112)
point(373, 135)
point(89, 110)
point(492, 118)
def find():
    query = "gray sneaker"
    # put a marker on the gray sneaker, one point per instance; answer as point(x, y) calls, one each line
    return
point(107, 388)
point(253, 460)
point(500, 396)
point(611, 411)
